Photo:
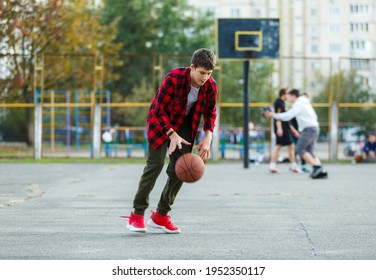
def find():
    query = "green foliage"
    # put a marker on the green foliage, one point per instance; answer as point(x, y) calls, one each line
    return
point(132, 116)
point(260, 90)
point(156, 26)
point(54, 26)
point(152, 27)
point(147, 28)
point(350, 90)
point(31, 27)
point(11, 127)
point(353, 91)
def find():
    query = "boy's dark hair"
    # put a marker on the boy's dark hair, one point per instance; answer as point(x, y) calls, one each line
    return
point(282, 92)
point(203, 58)
point(294, 92)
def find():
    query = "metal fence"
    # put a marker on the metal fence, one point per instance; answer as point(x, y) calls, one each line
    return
point(67, 87)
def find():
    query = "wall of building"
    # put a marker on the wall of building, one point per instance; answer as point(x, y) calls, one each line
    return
point(324, 36)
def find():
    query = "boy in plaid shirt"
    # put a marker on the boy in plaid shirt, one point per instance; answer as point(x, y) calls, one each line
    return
point(174, 116)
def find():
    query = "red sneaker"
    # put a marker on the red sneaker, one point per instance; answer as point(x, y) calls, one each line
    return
point(135, 223)
point(162, 222)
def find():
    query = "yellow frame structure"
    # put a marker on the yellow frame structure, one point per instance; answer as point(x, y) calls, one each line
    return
point(240, 33)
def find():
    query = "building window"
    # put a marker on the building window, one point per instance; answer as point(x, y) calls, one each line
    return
point(313, 12)
point(257, 13)
point(359, 27)
point(360, 64)
point(314, 31)
point(314, 48)
point(357, 45)
point(273, 12)
point(314, 66)
point(334, 29)
point(335, 48)
point(359, 9)
point(334, 11)
point(235, 13)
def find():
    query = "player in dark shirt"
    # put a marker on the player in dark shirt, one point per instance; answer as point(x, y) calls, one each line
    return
point(283, 138)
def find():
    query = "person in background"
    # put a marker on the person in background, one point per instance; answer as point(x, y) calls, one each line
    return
point(295, 135)
point(309, 130)
point(369, 149)
point(294, 138)
point(283, 138)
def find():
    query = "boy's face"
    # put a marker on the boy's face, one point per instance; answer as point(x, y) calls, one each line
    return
point(199, 75)
point(372, 138)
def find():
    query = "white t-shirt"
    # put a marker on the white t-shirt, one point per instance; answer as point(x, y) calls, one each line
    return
point(192, 98)
point(303, 111)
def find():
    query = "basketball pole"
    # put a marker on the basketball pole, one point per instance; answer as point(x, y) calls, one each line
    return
point(242, 39)
point(246, 112)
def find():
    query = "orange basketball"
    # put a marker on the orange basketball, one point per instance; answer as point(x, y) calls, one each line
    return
point(189, 168)
point(358, 158)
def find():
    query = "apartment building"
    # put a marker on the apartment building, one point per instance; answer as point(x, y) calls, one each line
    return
point(318, 37)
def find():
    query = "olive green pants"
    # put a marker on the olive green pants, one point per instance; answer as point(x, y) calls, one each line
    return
point(154, 165)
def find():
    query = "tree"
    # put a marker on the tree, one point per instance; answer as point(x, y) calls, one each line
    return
point(351, 90)
point(260, 87)
point(159, 26)
point(152, 27)
point(30, 27)
point(146, 29)
point(133, 116)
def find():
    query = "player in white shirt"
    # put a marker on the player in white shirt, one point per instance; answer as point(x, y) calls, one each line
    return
point(309, 129)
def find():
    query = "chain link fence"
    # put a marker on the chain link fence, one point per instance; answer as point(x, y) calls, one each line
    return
point(67, 86)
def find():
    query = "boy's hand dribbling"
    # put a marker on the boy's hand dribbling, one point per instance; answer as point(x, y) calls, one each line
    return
point(176, 141)
point(203, 149)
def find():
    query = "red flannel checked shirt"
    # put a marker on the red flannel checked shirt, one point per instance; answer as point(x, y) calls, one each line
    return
point(168, 107)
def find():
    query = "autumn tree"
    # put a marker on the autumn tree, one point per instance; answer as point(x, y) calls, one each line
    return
point(30, 27)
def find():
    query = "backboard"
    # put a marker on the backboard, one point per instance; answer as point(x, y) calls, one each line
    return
point(247, 38)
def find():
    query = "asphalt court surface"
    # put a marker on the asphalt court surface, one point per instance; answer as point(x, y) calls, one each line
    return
point(71, 211)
